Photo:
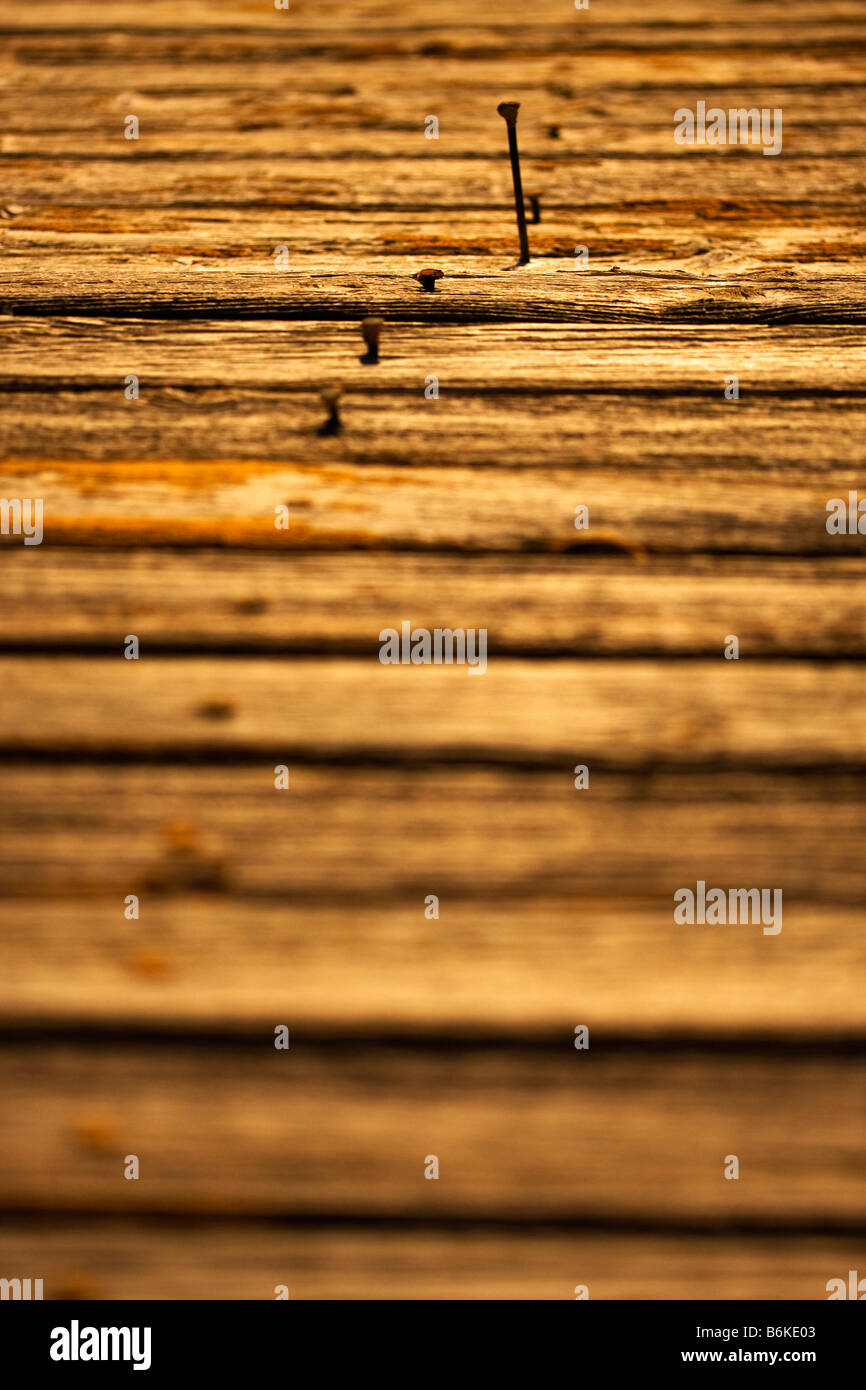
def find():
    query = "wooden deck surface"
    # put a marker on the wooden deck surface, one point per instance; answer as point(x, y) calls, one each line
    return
point(558, 386)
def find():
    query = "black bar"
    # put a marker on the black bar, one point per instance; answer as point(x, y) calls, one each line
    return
point(598, 1339)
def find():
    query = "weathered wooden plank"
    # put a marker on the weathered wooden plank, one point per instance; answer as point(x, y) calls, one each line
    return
point(314, 179)
point(518, 1133)
point(240, 116)
point(535, 605)
point(737, 18)
point(225, 90)
point(538, 293)
point(555, 134)
point(663, 360)
point(350, 499)
point(622, 713)
point(744, 15)
point(373, 101)
point(732, 264)
point(217, 964)
point(348, 834)
point(135, 1259)
point(500, 64)
point(734, 240)
point(546, 449)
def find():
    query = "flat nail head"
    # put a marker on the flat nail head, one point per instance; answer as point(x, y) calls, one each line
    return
point(508, 110)
point(372, 332)
point(428, 279)
point(330, 396)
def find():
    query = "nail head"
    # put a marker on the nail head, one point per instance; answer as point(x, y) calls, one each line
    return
point(372, 331)
point(428, 278)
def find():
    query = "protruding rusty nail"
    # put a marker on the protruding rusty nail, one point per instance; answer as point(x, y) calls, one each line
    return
point(330, 397)
point(508, 111)
point(428, 279)
point(372, 331)
point(533, 199)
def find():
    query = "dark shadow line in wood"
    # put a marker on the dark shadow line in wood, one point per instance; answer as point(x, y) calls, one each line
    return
point(211, 645)
point(664, 394)
point(348, 756)
point(281, 649)
point(567, 1223)
point(35, 1035)
point(534, 310)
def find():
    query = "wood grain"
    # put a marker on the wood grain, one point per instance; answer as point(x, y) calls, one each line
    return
point(741, 237)
point(331, 1132)
point(620, 714)
point(77, 599)
point(805, 363)
point(804, 453)
point(350, 833)
point(631, 15)
point(557, 387)
point(225, 964)
point(195, 1259)
point(540, 292)
point(341, 504)
point(632, 24)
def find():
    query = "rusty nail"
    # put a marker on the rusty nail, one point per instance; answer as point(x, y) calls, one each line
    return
point(372, 331)
point(428, 279)
point(330, 397)
point(508, 111)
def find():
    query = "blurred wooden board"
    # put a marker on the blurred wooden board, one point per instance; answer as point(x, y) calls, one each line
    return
point(532, 605)
point(616, 714)
point(189, 1259)
point(519, 1134)
point(737, 22)
point(506, 967)
point(344, 503)
point(729, 454)
point(351, 832)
